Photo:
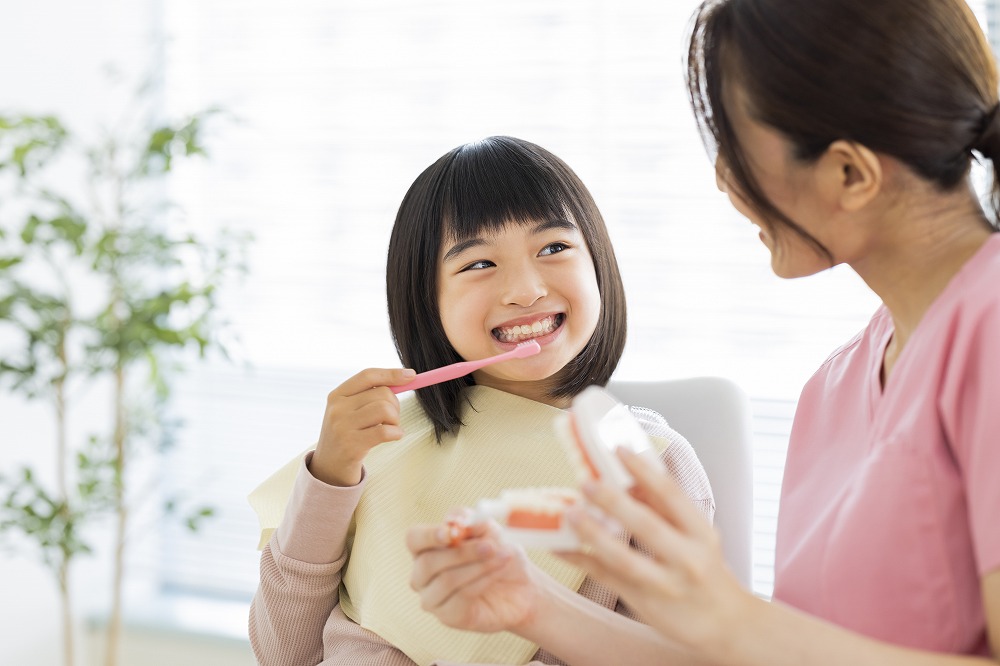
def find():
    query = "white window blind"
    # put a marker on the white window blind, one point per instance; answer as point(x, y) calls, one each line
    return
point(339, 106)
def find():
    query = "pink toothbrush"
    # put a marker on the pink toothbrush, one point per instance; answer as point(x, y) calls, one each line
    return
point(462, 368)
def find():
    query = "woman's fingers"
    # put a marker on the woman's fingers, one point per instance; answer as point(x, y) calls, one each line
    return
point(467, 579)
point(434, 550)
point(645, 524)
point(657, 489)
point(420, 538)
point(431, 563)
point(608, 559)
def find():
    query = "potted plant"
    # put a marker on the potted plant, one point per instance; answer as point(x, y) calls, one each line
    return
point(100, 289)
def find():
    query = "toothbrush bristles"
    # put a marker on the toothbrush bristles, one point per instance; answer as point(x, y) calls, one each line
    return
point(528, 348)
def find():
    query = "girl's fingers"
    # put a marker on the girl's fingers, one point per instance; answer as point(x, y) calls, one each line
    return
point(363, 420)
point(374, 377)
point(372, 409)
point(378, 434)
point(369, 407)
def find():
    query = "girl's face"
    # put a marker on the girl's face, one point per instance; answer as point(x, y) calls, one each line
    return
point(531, 281)
point(792, 187)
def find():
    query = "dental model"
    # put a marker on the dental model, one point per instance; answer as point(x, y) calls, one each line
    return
point(590, 431)
point(594, 427)
point(531, 517)
point(462, 368)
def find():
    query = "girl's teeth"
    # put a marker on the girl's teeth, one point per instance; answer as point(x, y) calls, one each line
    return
point(527, 331)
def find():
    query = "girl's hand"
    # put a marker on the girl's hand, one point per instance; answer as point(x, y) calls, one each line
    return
point(360, 414)
point(686, 591)
point(478, 584)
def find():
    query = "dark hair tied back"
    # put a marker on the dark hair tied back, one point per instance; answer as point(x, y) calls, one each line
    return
point(915, 80)
point(988, 141)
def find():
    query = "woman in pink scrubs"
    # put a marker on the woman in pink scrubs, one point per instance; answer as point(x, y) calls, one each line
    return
point(844, 130)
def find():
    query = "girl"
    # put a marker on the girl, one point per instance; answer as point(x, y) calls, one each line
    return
point(845, 131)
point(496, 243)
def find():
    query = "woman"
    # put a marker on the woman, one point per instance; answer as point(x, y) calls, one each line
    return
point(845, 131)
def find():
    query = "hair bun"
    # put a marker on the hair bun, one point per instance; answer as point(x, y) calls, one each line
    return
point(988, 140)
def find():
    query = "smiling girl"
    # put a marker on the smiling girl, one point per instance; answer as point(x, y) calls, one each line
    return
point(496, 243)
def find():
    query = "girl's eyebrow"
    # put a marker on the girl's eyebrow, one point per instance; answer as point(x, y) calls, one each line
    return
point(557, 223)
point(459, 248)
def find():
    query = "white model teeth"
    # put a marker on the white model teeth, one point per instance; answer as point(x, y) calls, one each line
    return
point(527, 331)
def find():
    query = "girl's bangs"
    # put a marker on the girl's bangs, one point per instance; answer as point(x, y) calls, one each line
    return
point(491, 185)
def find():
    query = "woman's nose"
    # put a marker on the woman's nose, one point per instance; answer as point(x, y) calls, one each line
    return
point(721, 175)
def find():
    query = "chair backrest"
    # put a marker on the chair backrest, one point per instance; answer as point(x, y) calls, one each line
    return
point(713, 414)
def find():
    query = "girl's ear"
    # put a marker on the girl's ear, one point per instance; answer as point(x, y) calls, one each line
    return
point(851, 175)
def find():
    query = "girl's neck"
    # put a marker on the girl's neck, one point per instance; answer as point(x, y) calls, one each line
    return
point(537, 391)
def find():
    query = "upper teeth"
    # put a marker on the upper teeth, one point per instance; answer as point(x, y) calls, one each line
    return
point(526, 331)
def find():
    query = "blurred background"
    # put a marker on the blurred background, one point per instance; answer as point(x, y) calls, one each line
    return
point(327, 111)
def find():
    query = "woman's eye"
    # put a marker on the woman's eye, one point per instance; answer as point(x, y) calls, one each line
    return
point(553, 248)
point(478, 265)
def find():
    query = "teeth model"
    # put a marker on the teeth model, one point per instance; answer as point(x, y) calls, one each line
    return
point(590, 431)
point(531, 517)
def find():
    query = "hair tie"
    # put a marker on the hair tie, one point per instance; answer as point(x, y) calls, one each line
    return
point(988, 140)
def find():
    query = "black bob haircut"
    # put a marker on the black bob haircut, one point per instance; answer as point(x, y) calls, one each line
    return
point(481, 187)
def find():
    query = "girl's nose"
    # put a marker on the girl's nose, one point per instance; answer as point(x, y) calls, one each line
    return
point(523, 287)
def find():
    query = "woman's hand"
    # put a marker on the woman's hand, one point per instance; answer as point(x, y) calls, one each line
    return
point(361, 413)
point(478, 584)
point(686, 591)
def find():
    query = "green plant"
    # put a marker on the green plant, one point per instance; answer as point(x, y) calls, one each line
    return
point(99, 291)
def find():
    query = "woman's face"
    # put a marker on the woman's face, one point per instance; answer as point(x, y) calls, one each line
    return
point(531, 281)
point(790, 185)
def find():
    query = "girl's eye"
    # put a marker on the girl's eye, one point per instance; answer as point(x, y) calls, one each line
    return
point(478, 265)
point(553, 248)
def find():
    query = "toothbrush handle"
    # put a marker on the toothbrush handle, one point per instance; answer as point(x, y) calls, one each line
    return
point(438, 375)
point(462, 368)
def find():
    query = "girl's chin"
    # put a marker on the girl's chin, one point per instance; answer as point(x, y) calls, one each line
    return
point(534, 375)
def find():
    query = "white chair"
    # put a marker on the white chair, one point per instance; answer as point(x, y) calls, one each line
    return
point(713, 414)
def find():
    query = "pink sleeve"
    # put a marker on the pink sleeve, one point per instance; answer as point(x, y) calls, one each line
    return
point(970, 406)
point(300, 572)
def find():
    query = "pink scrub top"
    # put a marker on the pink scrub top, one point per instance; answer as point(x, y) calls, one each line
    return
point(890, 505)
